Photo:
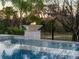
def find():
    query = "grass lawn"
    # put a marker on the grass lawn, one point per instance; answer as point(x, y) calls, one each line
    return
point(67, 37)
point(58, 36)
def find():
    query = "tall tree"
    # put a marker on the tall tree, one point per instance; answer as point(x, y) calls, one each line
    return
point(70, 21)
point(27, 6)
point(64, 13)
point(8, 11)
point(77, 21)
point(20, 4)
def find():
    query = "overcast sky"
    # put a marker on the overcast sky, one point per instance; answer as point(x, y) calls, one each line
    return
point(7, 4)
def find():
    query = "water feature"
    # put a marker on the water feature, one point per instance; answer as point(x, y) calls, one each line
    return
point(38, 49)
point(32, 32)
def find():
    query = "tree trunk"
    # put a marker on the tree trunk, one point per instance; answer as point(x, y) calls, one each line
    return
point(74, 36)
point(53, 29)
point(78, 36)
point(20, 21)
point(78, 39)
point(52, 35)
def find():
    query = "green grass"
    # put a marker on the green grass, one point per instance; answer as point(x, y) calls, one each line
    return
point(58, 36)
point(63, 37)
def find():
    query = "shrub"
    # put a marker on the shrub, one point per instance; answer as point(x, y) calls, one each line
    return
point(3, 28)
point(15, 31)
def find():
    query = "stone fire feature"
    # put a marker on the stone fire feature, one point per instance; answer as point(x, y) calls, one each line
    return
point(32, 32)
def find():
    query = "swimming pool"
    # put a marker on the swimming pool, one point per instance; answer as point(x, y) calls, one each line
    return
point(38, 49)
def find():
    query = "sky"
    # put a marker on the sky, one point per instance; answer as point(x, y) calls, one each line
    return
point(7, 4)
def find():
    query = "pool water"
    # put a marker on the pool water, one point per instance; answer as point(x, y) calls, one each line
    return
point(26, 54)
point(38, 49)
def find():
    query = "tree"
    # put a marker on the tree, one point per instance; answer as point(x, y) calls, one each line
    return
point(33, 18)
point(22, 6)
point(8, 11)
point(77, 21)
point(27, 6)
point(11, 16)
point(53, 9)
point(67, 18)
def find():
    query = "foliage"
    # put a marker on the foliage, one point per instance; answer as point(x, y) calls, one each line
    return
point(2, 28)
point(15, 30)
point(8, 11)
point(11, 26)
point(36, 19)
point(28, 5)
point(67, 17)
point(22, 5)
point(48, 26)
point(8, 29)
point(39, 4)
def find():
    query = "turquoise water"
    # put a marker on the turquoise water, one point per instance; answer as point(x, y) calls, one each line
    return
point(26, 54)
point(9, 49)
point(49, 44)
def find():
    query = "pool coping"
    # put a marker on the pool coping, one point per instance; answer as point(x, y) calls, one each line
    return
point(4, 35)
